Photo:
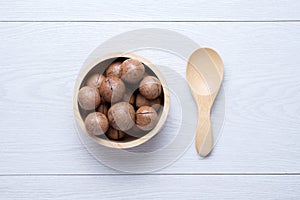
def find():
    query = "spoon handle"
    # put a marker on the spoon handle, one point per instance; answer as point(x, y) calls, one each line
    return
point(204, 136)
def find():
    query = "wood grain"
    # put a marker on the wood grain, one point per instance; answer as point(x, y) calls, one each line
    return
point(40, 61)
point(114, 10)
point(204, 72)
point(150, 187)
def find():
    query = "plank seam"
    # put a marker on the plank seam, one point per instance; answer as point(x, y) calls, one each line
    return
point(154, 174)
point(150, 21)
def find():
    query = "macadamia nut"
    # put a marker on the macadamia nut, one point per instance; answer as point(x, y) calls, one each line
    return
point(95, 80)
point(146, 118)
point(112, 89)
point(132, 71)
point(89, 98)
point(96, 123)
point(136, 132)
point(129, 97)
point(142, 101)
point(115, 134)
point(150, 87)
point(114, 69)
point(121, 116)
point(103, 108)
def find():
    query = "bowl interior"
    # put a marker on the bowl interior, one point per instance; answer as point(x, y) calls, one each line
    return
point(128, 141)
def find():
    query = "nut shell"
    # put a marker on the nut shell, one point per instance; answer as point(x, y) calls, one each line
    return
point(114, 69)
point(103, 109)
point(146, 118)
point(142, 101)
point(150, 87)
point(96, 123)
point(132, 71)
point(121, 116)
point(136, 132)
point(112, 89)
point(114, 134)
point(129, 97)
point(89, 98)
point(95, 80)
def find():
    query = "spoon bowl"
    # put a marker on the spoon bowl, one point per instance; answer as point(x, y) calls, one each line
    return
point(204, 74)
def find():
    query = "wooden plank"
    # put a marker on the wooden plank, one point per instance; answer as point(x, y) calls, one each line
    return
point(40, 61)
point(114, 10)
point(150, 187)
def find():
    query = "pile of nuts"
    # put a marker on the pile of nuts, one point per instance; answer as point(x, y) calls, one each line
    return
point(124, 100)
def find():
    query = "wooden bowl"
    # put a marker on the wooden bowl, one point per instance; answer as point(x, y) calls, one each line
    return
point(99, 65)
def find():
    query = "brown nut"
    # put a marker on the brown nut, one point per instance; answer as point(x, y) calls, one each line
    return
point(146, 118)
point(121, 116)
point(150, 87)
point(146, 74)
point(95, 80)
point(96, 123)
point(88, 98)
point(136, 132)
point(103, 109)
point(129, 97)
point(142, 101)
point(114, 69)
point(114, 134)
point(112, 89)
point(132, 71)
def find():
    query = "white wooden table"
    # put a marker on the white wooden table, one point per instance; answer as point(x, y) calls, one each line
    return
point(42, 47)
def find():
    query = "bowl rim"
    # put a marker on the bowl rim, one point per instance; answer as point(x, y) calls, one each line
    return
point(116, 144)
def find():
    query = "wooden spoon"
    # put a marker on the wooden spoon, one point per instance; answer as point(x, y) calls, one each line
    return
point(204, 73)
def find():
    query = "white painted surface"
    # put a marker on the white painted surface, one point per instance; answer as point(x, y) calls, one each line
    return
point(114, 10)
point(40, 61)
point(151, 187)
